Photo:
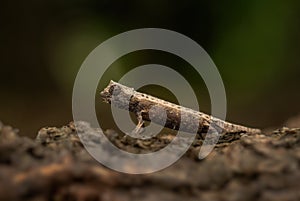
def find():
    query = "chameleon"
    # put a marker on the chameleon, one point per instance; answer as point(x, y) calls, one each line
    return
point(176, 117)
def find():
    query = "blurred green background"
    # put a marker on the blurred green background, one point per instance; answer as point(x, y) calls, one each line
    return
point(255, 45)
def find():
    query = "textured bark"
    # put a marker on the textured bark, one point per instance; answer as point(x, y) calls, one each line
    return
point(55, 166)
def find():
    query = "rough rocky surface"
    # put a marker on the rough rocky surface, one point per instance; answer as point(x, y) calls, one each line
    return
point(55, 166)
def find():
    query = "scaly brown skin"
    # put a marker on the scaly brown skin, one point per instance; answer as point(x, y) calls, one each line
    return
point(177, 117)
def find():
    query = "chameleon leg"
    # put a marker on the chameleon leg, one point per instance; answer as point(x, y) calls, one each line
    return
point(140, 126)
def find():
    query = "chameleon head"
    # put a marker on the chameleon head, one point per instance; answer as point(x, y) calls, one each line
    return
point(113, 90)
point(106, 94)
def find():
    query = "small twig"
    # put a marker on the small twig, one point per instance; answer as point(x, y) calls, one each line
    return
point(142, 104)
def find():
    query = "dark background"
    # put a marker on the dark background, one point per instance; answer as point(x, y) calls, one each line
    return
point(255, 45)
